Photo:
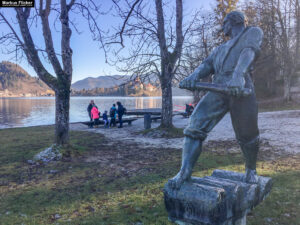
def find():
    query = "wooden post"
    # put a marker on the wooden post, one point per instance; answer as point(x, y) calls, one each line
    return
point(147, 121)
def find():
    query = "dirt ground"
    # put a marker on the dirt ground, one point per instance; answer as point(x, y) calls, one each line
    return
point(279, 133)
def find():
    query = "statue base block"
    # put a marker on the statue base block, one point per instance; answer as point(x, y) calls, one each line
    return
point(220, 199)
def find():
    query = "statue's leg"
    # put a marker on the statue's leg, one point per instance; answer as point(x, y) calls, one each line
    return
point(190, 153)
point(209, 111)
point(244, 120)
point(250, 151)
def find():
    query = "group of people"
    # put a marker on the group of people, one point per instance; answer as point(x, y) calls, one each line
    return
point(109, 120)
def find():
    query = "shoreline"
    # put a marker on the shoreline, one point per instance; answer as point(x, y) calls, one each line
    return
point(93, 96)
point(279, 132)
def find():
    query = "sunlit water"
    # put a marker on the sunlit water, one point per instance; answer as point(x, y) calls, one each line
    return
point(24, 112)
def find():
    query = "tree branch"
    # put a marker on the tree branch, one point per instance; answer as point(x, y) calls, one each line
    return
point(65, 42)
point(44, 14)
point(126, 19)
point(161, 29)
point(11, 28)
point(179, 35)
point(31, 52)
point(69, 6)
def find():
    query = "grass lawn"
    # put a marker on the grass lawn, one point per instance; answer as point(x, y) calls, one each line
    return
point(106, 182)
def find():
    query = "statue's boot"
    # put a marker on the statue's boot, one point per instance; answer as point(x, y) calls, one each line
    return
point(190, 153)
point(250, 150)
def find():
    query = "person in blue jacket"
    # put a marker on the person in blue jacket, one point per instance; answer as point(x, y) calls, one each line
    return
point(120, 112)
point(112, 114)
point(105, 119)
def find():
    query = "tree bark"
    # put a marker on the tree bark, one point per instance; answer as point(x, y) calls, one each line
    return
point(297, 52)
point(62, 108)
point(168, 60)
point(197, 95)
point(287, 89)
point(167, 103)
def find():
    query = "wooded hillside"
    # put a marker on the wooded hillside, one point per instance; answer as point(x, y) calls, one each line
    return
point(16, 82)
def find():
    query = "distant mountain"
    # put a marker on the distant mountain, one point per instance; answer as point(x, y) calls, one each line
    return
point(106, 82)
point(16, 82)
point(100, 82)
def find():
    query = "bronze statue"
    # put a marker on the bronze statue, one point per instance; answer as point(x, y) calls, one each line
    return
point(231, 91)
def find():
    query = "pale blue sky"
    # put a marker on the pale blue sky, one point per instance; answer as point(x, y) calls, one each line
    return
point(88, 58)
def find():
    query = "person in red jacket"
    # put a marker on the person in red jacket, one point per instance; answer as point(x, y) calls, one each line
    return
point(95, 114)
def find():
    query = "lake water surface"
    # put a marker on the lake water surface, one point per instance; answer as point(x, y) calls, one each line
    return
point(24, 112)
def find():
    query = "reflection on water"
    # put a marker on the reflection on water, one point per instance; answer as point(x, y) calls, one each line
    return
point(23, 112)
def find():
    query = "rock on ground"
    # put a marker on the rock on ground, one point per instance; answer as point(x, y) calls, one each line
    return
point(49, 154)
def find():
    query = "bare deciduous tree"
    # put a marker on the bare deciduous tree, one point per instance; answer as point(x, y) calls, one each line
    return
point(60, 82)
point(157, 34)
point(278, 20)
point(199, 42)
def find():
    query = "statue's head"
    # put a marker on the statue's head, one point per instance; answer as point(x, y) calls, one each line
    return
point(234, 18)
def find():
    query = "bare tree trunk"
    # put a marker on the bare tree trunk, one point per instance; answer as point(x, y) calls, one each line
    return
point(62, 108)
point(287, 88)
point(167, 109)
point(196, 96)
point(286, 54)
point(168, 60)
point(297, 20)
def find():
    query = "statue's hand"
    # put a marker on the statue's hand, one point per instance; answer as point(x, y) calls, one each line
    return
point(236, 86)
point(187, 83)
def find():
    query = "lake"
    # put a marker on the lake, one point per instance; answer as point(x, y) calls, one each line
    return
point(24, 112)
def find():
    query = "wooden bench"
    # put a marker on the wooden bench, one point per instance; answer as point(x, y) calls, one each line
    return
point(127, 120)
point(101, 122)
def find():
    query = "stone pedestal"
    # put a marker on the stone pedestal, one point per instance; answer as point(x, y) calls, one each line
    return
point(220, 199)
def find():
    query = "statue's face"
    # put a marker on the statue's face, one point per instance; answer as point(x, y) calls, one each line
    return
point(227, 26)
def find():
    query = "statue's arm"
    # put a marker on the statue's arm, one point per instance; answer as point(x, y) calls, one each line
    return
point(246, 58)
point(202, 71)
point(237, 82)
point(244, 62)
point(205, 69)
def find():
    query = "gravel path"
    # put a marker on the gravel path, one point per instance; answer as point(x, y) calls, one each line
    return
point(280, 130)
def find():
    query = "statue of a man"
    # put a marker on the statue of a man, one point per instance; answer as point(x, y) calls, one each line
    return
point(231, 65)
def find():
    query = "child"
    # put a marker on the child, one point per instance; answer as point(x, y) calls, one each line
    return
point(112, 114)
point(105, 119)
point(95, 116)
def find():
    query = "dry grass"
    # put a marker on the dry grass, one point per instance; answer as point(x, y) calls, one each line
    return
point(108, 182)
